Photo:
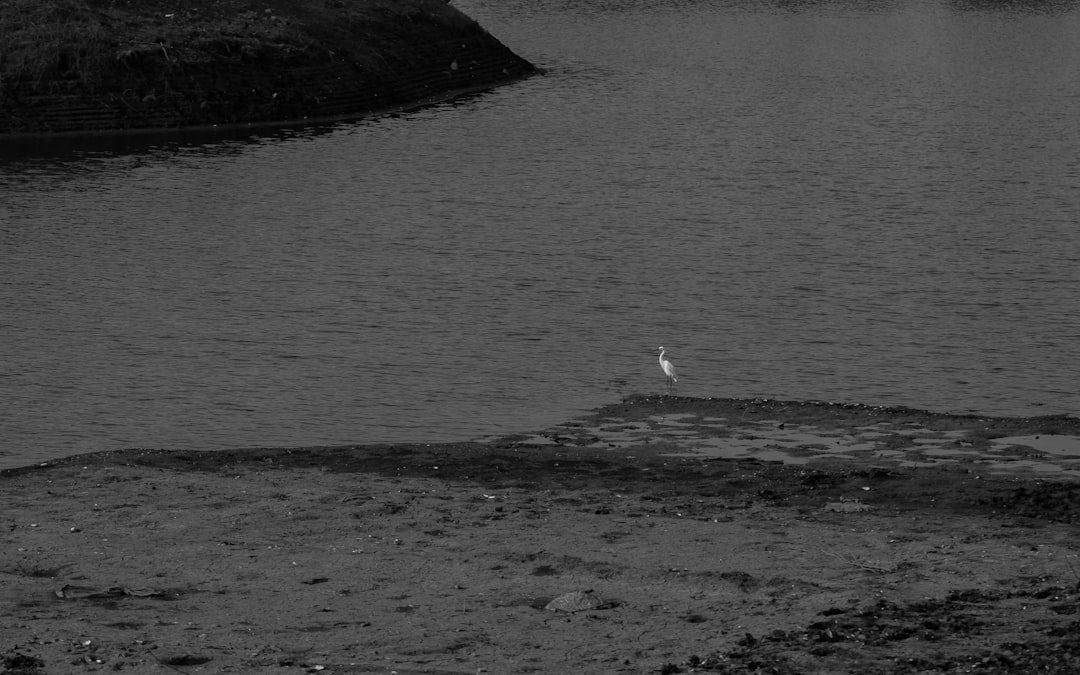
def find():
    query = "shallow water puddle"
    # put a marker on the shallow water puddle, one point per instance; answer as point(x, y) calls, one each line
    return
point(1050, 470)
point(1055, 445)
point(905, 444)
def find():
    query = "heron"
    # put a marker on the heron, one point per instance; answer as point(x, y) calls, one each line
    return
point(669, 369)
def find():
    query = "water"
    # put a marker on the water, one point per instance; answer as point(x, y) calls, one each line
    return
point(848, 201)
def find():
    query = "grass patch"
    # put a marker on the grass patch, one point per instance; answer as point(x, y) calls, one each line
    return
point(49, 38)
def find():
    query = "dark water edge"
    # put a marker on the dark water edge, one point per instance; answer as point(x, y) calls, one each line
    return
point(836, 414)
point(718, 420)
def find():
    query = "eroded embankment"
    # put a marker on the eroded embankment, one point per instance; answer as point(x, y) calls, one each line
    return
point(101, 65)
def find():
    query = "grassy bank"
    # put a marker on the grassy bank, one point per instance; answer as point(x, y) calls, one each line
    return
point(206, 58)
point(88, 39)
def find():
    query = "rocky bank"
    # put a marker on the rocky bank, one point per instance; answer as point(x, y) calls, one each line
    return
point(102, 65)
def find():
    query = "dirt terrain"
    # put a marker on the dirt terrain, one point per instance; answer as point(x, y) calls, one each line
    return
point(888, 541)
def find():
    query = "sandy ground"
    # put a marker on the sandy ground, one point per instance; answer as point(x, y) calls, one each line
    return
point(887, 541)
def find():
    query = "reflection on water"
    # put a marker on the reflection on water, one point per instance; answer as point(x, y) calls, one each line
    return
point(870, 202)
point(1013, 7)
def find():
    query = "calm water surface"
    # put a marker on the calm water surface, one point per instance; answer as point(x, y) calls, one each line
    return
point(865, 202)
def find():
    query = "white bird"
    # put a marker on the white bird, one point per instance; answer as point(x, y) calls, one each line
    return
point(669, 369)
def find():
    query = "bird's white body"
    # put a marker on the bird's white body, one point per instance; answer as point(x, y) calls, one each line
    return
point(668, 368)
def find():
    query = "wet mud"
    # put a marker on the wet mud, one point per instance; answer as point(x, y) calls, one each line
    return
point(623, 542)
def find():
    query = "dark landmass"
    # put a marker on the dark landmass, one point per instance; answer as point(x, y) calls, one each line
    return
point(100, 65)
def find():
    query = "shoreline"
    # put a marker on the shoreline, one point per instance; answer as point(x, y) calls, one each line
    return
point(227, 127)
point(442, 558)
point(778, 430)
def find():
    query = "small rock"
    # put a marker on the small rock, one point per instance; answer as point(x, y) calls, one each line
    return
point(577, 601)
point(847, 507)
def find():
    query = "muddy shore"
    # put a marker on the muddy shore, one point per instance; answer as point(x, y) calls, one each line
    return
point(885, 556)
